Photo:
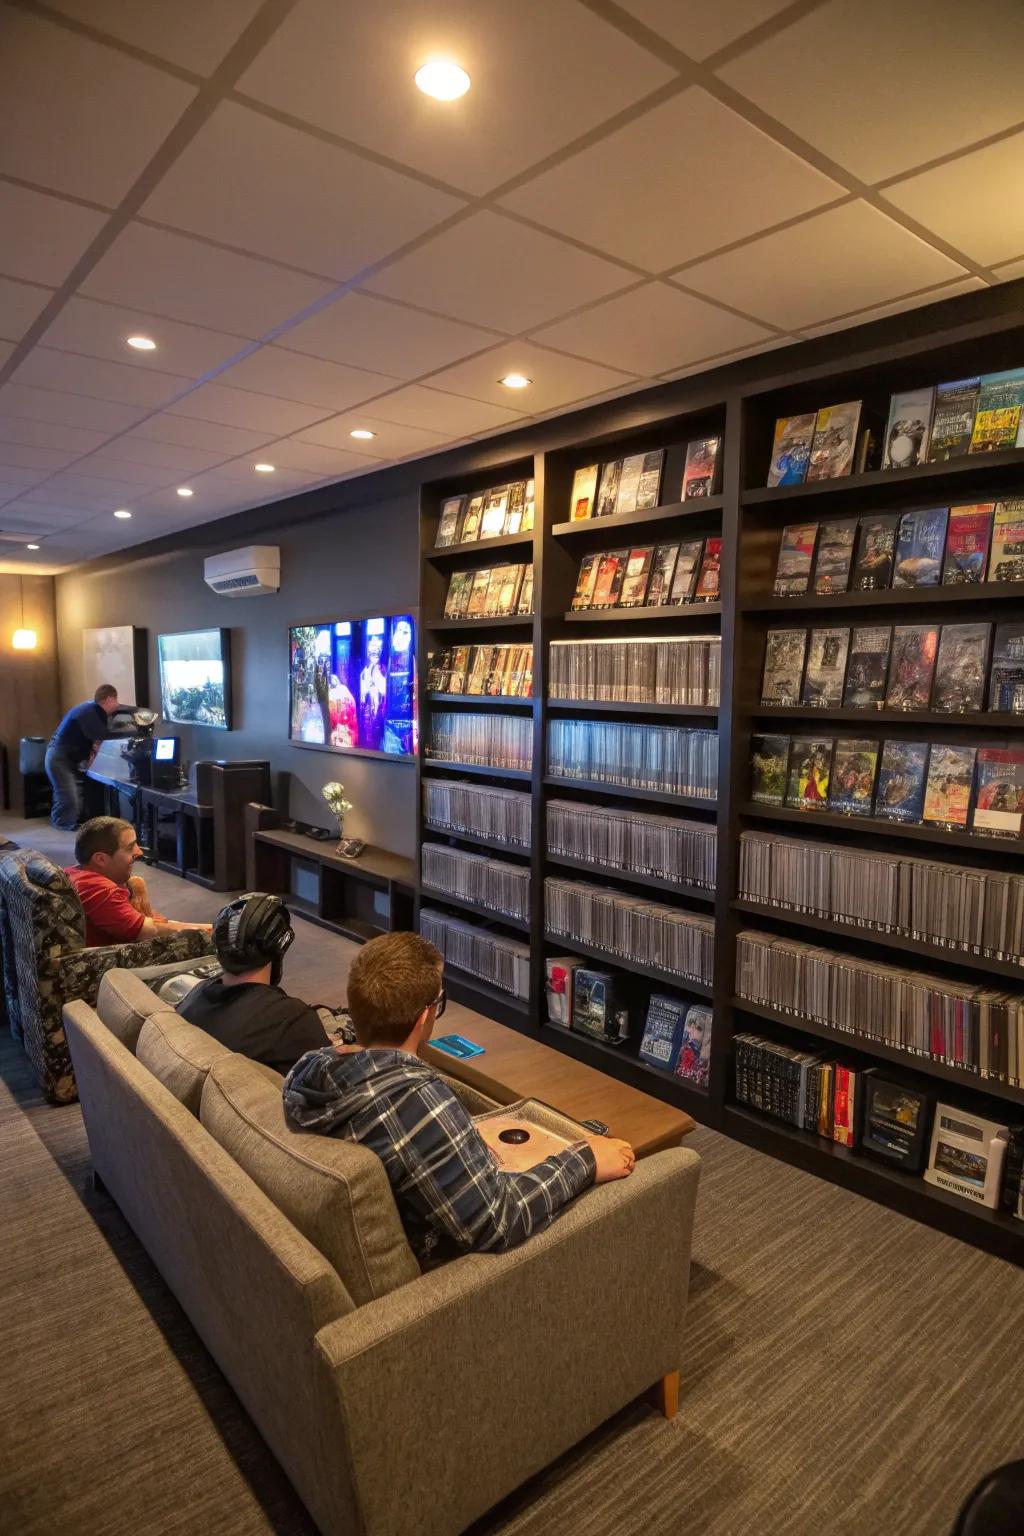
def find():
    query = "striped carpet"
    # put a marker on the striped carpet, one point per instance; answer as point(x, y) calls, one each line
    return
point(847, 1368)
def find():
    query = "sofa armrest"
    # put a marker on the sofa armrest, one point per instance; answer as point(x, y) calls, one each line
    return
point(490, 1367)
point(78, 973)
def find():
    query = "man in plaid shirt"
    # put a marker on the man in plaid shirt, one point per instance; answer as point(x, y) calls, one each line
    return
point(450, 1193)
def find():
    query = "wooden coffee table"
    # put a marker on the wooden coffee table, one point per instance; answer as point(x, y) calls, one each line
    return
point(515, 1066)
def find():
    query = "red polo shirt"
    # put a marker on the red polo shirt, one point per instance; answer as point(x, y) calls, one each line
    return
point(110, 917)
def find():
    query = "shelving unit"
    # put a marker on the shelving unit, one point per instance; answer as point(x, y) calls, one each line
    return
point(979, 333)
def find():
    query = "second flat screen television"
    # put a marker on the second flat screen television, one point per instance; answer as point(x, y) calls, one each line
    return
point(195, 677)
point(352, 684)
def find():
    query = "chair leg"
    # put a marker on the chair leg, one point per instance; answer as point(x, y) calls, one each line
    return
point(664, 1395)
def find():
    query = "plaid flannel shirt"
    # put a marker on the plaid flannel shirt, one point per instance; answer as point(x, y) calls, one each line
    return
point(451, 1195)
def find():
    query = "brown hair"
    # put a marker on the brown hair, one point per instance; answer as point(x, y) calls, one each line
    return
point(392, 980)
point(100, 835)
point(103, 692)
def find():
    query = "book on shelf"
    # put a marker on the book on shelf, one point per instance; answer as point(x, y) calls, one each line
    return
point(635, 577)
point(796, 554)
point(826, 666)
point(785, 652)
point(876, 542)
point(1006, 686)
point(1006, 561)
point(810, 766)
point(791, 449)
point(844, 1105)
point(912, 666)
point(769, 756)
point(693, 1062)
point(684, 579)
point(709, 580)
point(997, 423)
point(469, 530)
point(908, 429)
point(961, 668)
point(947, 791)
point(901, 782)
point(629, 483)
point(559, 977)
point(610, 573)
point(492, 523)
point(956, 404)
point(834, 560)
point(867, 669)
point(966, 1155)
point(663, 1031)
point(584, 490)
point(662, 570)
point(648, 490)
point(999, 794)
point(835, 441)
point(699, 472)
point(608, 488)
point(920, 542)
point(448, 524)
point(854, 769)
point(585, 582)
point(967, 541)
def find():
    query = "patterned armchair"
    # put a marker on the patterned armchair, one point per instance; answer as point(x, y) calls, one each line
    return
point(46, 963)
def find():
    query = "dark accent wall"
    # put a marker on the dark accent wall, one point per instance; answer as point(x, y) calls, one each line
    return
point(28, 679)
point(334, 565)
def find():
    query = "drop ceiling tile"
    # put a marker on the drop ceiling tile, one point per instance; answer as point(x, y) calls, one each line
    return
point(105, 466)
point(1012, 270)
point(495, 272)
point(45, 368)
point(240, 474)
point(20, 305)
point(180, 432)
point(657, 204)
point(542, 75)
point(848, 258)
point(650, 330)
point(14, 482)
point(132, 449)
point(167, 274)
point(843, 79)
point(65, 409)
point(47, 434)
point(700, 27)
point(911, 301)
point(555, 380)
point(43, 236)
point(370, 332)
point(965, 201)
point(76, 115)
point(391, 442)
point(37, 505)
point(310, 380)
point(251, 182)
point(29, 456)
point(101, 330)
point(291, 453)
point(242, 408)
point(79, 488)
point(6, 350)
point(178, 513)
point(454, 416)
point(202, 33)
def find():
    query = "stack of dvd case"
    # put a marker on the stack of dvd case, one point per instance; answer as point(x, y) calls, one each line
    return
point(634, 842)
point(497, 671)
point(481, 810)
point(495, 592)
point(678, 943)
point(977, 911)
point(975, 1028)
point(679, 669)
point(504, 888)
point(658, 757)
point(488, 741)
point(502, 961)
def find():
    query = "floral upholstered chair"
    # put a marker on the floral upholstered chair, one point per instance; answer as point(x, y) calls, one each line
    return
point(46, 963)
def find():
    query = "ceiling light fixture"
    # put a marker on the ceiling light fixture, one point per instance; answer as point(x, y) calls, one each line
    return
point(264, 469)
point(183, 490)
point(23, 639)
point(142, 343)
point(122, 513)
point(443, 79)
point(31, 546)
point(515, 381)
point(362, 432)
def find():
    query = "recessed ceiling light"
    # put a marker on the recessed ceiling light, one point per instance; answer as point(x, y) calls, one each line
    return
point(362, 432)
point(183, 490)
point(122, 513)
point(142, 343)
point(31, 546)
point(443, 79)
point(264, 469)
point(515, 381)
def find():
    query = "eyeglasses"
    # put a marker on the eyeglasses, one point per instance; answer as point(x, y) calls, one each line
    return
point(440, 1003)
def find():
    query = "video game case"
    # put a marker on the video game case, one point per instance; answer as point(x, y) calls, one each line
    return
point(834, 560)
point(809, 773)
point(947, 794)
point(835, 439)
point(968, 535)
point(648, 491)
point(907, 433)
point(998, 419)
point(457, 601)
point(684, 581)
point(784, 656)
point(769, 759)
point(956, 405)
point(629, 483)
point(791, 449)
point(585, 582)
point(662, 570)
point(867, 668)
point(476, 607)
point(854, 770)
point(469, 530)
point(584, 491)
point(920, 543)
point(1006, 687)
point(825, 670)
point(525, 603)
point(529, 508)
point(448, 523)
point(608, 488)
point(1006, 561)
point(663, 1031)
point(796, 554)
point(492, 524)
point(961, 668)
point(999, 796)
point(912, 666)
point(693, 1062)
point(636, 576)
point(901, 781)
point(709, 580)
point(700, 471)
point(876, 541)
point(844, 1105)
point(516, 507)
point(610, 573)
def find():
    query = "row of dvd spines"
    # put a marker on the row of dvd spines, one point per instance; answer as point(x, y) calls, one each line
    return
point(679, 669)
point(671, 759)
point(977, 911)
point(634, 842)
point(678, 943)
point(495, 958)
point(489, 741)
point(504, 888)
point(975, 1028)
point(479, 810)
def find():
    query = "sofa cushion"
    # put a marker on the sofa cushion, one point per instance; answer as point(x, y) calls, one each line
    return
point(335, 1192)
point(179, 1055)
point(125, 1003)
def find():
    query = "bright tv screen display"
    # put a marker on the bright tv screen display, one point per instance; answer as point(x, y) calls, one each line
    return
point(195, 678)
point(352, 685)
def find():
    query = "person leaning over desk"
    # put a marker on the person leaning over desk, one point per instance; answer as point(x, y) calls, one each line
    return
point(72, 747)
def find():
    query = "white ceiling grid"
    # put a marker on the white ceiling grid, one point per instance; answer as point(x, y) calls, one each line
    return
point(631, 191)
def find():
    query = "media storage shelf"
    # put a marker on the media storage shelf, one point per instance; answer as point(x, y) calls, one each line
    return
point(432, 894)
point(945, 954)
point(633, 877)
point(657, 614)
point(478, 839)
point(635, 967)
point(622, 1062)
point(970, 469)
point(461, 984)
point(486, 700)
point(450, 552)
point(987, 720)
point(627, 792)
point(671, 512)
point(482, 770)
point(909, 1060)
point(621, 707)
point(501, 621)
point(876, 827)
point(889, 597)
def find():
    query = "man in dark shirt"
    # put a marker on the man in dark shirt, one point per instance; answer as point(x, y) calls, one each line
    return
point(246, 1009)
point(73, 745)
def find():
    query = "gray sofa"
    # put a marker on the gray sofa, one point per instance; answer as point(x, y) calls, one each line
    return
point(395, 1401)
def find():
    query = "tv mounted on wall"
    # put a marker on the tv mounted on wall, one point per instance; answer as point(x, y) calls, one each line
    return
point(352, 685)
point(195, 677)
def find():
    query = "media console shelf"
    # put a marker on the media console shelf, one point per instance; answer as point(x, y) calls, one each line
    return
point(357, 898)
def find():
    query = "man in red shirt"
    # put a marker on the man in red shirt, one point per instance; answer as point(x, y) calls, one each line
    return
point(116, 903)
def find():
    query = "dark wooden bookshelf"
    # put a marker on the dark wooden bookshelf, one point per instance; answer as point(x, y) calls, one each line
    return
point(436, 897)
point(739, 402)
point(634, 967)
point(487, 700)
point(477, 838)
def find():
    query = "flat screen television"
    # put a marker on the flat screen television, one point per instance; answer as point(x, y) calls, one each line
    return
point(352, 685)
point(195, 677)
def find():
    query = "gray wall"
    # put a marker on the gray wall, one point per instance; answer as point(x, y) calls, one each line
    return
point(339, 564)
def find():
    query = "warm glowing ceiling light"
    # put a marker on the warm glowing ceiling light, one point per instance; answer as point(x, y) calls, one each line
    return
point(24, 639)
point(515, 381)
point(443, 79)
point(122, 513)
point(264, 469)
point(31, 546)
point(362, 432)
point(142, 343)
point(183, 490)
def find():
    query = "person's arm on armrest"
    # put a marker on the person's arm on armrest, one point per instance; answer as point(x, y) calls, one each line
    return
point(154, 928)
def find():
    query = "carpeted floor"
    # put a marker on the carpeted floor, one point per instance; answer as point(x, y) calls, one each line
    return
point(847, 1369)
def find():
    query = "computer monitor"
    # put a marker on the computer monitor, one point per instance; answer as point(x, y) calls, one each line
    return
point(165, 762)
point(167, 750)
